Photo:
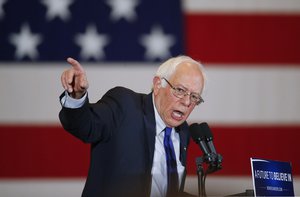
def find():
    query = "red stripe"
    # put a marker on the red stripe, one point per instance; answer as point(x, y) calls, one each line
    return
point(49, 151)
point(239, 38)
point(41, 151)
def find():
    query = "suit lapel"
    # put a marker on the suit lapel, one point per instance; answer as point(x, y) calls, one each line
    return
point(184, 141)
point(150, 126)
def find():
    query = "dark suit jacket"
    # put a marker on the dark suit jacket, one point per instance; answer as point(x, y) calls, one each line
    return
point(121, 129)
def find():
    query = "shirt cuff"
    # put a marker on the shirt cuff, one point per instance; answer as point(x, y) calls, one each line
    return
point(69, 102)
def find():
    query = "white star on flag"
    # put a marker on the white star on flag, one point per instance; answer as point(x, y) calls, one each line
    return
point(1, 8)
point(157, 44)
point(92, 43)
point(26, 43)
point(57, 8)
point(123, 9)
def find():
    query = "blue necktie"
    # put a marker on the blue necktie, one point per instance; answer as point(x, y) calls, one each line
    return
point(171, 164)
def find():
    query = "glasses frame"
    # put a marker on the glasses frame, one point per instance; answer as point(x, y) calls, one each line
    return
point(181, 96)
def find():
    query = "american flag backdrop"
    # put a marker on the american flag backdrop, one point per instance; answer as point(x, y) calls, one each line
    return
point(250, 49)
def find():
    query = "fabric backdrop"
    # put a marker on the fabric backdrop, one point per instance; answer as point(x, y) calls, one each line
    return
point(250, 49)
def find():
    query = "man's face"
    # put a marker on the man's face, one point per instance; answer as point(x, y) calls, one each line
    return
point(173, 110)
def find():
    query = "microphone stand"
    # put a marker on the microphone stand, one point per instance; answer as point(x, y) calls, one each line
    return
point(214, 162)
point(200, 173)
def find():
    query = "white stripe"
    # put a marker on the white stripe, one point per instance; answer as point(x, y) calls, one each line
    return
point(242, 6)
point(254, 94)
point(245, 94)
point(215, 186)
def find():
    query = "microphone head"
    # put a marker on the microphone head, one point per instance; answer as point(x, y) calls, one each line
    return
point(196, 132)
point(200, 131)
point(206, 130)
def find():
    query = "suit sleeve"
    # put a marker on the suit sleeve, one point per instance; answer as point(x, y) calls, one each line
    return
point(95, 122)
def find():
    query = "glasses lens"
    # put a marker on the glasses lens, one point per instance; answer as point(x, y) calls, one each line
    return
point(195, 98)
point(179, 92)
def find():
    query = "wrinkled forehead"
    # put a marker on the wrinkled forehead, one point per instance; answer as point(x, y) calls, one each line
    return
point(189, 75)
point(187, 70)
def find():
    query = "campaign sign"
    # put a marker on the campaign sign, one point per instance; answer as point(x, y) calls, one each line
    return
point(272, 178)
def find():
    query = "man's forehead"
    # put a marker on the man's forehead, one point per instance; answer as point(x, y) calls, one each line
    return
point(187, 71)
point(191, 80)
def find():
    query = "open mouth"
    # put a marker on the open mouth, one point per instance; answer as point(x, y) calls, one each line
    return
point(177, 115)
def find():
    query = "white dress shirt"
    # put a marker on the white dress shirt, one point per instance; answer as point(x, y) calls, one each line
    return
point(159, 167)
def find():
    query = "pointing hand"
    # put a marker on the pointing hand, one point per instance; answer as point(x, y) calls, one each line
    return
point(74, 79)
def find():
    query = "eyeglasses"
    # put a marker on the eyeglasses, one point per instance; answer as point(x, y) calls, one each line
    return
point(181, 93)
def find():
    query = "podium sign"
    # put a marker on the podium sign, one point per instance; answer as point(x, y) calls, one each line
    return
point(272, 178)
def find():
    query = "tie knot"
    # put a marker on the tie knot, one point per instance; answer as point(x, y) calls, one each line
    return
point(168, 131)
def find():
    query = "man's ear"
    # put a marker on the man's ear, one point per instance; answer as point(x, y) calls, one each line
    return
point(156, 84)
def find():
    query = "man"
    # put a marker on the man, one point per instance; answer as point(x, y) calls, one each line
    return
point(138, 141)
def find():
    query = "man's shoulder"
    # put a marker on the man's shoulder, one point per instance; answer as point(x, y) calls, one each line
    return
point(123, 94)
point(126, 98)
point(123, 91)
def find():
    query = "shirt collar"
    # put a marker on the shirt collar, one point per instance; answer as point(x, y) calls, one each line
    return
point(160, 125)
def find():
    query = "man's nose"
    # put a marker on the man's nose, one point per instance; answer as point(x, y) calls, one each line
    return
point(186, 100)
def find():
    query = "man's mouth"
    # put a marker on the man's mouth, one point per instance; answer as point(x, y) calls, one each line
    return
point(177, 115)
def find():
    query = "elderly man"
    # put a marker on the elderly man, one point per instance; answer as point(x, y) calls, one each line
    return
point(138, 141)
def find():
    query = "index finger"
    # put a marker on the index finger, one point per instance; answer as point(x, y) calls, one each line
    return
point(75, 64)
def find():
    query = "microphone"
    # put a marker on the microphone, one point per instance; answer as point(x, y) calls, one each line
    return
point(199, 137)
point(208, 136)
point(202, 135)
point(215, 157)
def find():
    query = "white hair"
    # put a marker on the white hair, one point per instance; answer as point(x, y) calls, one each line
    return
point(168, 68)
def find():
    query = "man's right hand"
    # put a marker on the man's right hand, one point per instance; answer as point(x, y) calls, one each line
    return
point(74, 79)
